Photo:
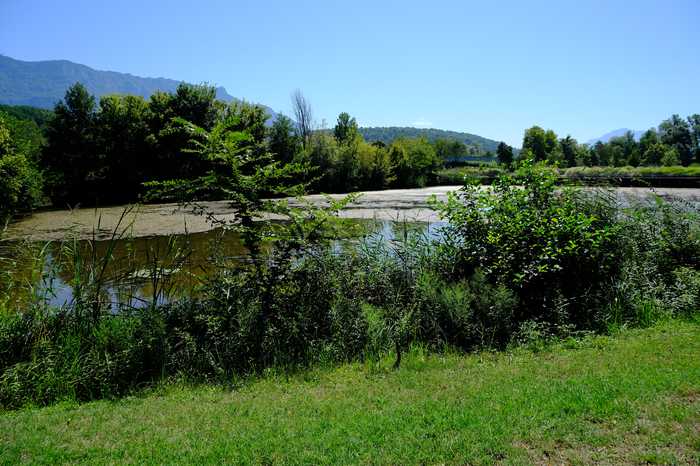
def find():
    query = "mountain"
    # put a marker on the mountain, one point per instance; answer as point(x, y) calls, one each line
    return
point(388, 134)
point(614, 134)
point(43, 83)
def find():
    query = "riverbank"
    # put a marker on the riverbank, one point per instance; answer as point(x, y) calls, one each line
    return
point(628, 399)
point(626, 176)
point(170, 219)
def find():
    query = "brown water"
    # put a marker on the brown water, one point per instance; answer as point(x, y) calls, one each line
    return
point(169, 219)
point(147, 269)
point(177, 245)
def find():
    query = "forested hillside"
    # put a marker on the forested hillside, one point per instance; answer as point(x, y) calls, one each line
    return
point(43, 83)
point(388, 134)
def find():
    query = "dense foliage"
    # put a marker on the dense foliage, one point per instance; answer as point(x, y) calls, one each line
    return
point(475, 145)
point(20, 180)
point(88, 151)
point(675, 142)
point(527, 259)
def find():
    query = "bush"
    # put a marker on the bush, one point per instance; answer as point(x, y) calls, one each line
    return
point(468, 314)
point(20, 185)
point(555, 249)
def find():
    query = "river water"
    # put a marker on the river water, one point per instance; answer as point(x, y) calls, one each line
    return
point(178, 243)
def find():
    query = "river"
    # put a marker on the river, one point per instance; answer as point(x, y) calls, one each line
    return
point(180, 243)
point(170, 219)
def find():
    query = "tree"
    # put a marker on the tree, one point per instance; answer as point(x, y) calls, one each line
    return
point(196, 104)
point(322, 154)
point(284, 142)
point(25, 136)
point(625, 150)
point(450, 148)
point(121, 140)
point(242, 170)
point(670, 157)
point(569, 150)
point(413, 161)
point(71, 160)
point(303, 115)
point(345, 130)
point(648, 139)
point(676, 133)
point(694, 122)
point(543, 144)
point(654, 153)
point(5, 141)
point(504, 153)
point(20, 182)
point(600, 154)
point(375, 170)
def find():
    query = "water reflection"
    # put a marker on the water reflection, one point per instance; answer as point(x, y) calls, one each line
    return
point(150, 269)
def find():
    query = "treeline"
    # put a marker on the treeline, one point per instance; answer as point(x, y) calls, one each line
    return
point(676, 141)
point(93, 152)
point(476, 145)
point(103, 152)
point(348, 163)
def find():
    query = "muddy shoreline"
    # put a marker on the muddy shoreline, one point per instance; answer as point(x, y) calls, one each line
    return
point(168, 219)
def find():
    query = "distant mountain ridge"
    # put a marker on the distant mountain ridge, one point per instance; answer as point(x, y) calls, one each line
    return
point(389, 133)
point(615, 134)
point(43, 83)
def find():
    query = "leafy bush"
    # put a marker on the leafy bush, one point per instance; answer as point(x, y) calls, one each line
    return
point(556, 249)
point(20, 181)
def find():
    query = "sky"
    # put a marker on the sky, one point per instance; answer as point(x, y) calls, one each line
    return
point(491, 68)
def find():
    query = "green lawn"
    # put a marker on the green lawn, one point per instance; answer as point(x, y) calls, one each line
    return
point(629, 399)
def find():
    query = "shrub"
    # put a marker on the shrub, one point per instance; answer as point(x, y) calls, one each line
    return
point(556, 249)
point(20, 185)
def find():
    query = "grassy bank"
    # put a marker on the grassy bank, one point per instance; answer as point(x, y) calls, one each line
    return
point(630, 398)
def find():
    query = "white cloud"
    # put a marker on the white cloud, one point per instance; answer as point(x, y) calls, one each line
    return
point(422, 123)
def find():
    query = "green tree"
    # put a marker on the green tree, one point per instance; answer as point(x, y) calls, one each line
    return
point(284, 142)
point(648, 139)
point(654, 153)
point(504, 153)
point(625, 150)
point(196, 104)
point(600, 154)
point(569, 150)
point(5, 141)
point(345, 130)
point(543, 144)
point(20, 182)
point(375, 170)
point(167, 137)
point(70, 158)
point(450, 148)
point(25, 135)
point(676, 132)
point(670, 157)
point(121, 137)
point(321, 153)
point(414, 162)
point(694, 122)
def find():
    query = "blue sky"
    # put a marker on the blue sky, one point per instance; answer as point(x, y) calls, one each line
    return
point(491, 68)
